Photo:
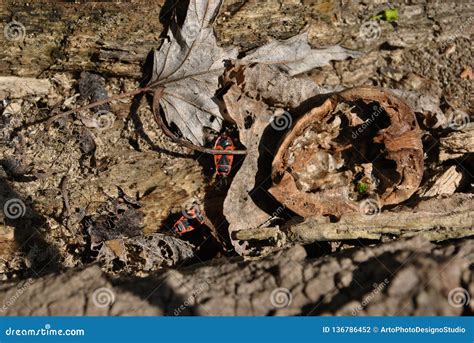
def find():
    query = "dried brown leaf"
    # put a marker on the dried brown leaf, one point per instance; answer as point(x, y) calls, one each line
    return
point(251, 104)
point(295, 56)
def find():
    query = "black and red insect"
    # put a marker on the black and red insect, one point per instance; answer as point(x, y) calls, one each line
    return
point(188, 221)
point(223, 163)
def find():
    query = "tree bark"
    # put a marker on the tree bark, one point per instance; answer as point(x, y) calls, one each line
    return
point(454, 219)
point(405, 277)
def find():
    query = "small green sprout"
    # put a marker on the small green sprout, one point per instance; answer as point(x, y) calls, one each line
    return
point(389, 15)
point(361, 187)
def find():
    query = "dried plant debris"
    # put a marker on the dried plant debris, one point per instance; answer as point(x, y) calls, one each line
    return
point(116, 232)
point(118, 217)
point(362, 143)
point(295, 56)
point(92, 89)
point(251, 103)
point(14, 87)
point(444, 183)
point(162, 189)
point(144, 254)
point(426, 104)
point(188, 65)
point(187, 68)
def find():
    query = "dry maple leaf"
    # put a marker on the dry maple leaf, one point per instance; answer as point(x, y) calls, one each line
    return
point(188, 66)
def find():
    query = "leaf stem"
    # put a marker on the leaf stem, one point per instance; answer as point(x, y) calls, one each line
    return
point(97, 103)
point(156, 113)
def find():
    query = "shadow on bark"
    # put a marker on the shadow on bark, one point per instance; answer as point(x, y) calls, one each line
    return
point(19, 213)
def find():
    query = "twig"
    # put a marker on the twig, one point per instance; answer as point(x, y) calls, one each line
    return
point(97, 103)
point(432, 226)
point(65, 195)
point(180, 141)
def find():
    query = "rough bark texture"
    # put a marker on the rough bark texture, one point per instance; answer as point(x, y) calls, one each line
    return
point(453, 218)
point(457, 143)
point(407, 277)
point(45, 262)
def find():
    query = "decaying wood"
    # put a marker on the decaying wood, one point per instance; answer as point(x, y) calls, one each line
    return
point(457, 143)
point(249, 104)
point(96, 104)
point(444, 183)
point(383, 279)
point(7, 241)
point(13, 87)
point(96, 41)
point(449, 218)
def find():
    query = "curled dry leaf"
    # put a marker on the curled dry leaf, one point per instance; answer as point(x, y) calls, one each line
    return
point(250, 103)
point(360, 143)
point(252, 117)
point(295, 56)
point(144, 254)
point(188, 66)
